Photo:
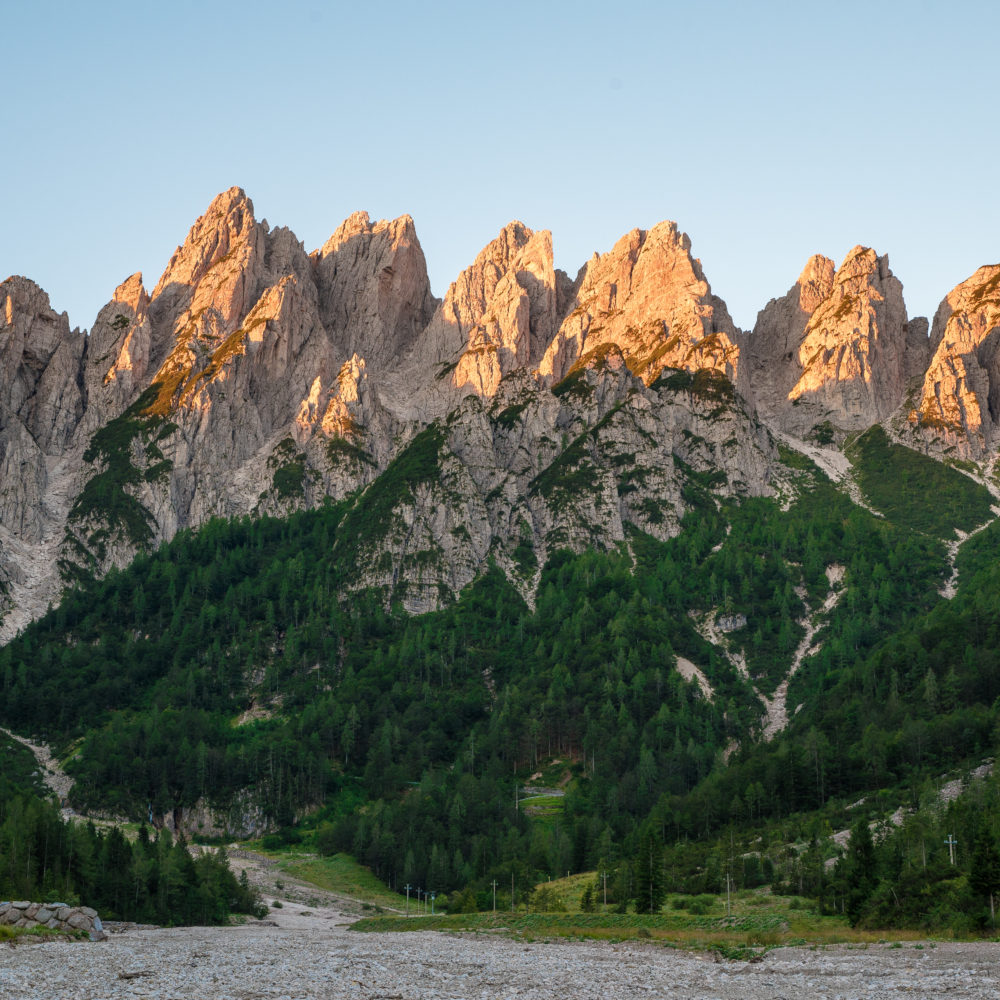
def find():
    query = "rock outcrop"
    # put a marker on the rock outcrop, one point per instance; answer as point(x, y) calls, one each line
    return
point(497, 316)
point(649, 298)
point(41, 404)
point(836, 351)
point(960, 400)
point(118, 362)
point(40, 360)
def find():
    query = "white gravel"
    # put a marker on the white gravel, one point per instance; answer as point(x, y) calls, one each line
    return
point(315, 956)
point(304, 951)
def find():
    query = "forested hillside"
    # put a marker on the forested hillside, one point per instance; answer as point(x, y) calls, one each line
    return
point(223, 682)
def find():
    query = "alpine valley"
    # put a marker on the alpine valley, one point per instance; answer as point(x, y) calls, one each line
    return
point(552, 575)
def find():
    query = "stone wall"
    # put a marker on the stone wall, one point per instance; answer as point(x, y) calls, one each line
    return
point(55, 916)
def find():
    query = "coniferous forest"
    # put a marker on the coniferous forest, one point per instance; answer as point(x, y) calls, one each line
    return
point(151, 879)
point(228, 668)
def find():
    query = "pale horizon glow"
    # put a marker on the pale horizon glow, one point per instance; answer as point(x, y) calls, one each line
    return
point(767, 132)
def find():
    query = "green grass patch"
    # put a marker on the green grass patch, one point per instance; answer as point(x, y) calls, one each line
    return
point(793, 459)
point(509, 417)
point(340, 451)
point(570, 476)
point(757, 923)
point(705, 384)
point(544, 808)
point(341, 874)
point(18, 769)
point(13, 934)
point(915, 491)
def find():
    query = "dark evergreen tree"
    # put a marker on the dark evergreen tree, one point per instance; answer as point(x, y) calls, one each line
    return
point(650, 877)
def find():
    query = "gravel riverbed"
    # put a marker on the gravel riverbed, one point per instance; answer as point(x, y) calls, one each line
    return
point(315, 956)
point(304, 950)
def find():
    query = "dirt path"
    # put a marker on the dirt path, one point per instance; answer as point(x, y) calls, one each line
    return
point(690, 672)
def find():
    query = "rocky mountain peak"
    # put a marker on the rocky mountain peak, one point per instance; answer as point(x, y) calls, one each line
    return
point(132, 293)
point(118, 359)
point(227, 227)
point(259, 378)
point(960, 398)
point(374, 292)
point(39, 358)
point(468, 297)
point(354, 225)
point(835, 351)
point(496, 316)
point(649, 297)
point(815, 282)
point(213, 279)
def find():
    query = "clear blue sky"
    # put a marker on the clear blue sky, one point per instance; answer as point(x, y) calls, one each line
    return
point(768, 131)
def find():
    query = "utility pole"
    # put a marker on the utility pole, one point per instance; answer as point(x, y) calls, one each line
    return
point(951, 842)
point(729, 907)
point(512, 890)
point(604, 876)
point(494, 895)
point(408, 887)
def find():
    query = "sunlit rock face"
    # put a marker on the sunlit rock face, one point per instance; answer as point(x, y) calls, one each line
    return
point(648, 296)
point(497, 316)
point(524, 412)
point(837, 349)
point(231, 377)
point(959, 404)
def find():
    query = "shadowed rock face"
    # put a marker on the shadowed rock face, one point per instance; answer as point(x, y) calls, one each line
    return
point(373, 288)
point(773, 347)
point(257, 378)
point(41, 404)
point(40, 360)
point(960, 399)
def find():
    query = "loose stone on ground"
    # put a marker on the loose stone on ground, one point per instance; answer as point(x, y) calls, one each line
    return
point(315, 957)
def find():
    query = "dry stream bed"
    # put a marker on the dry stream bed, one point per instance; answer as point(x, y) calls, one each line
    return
point(304, 951)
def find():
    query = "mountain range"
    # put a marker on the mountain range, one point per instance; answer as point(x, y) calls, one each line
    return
point(525, 412)
point(290, 548)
